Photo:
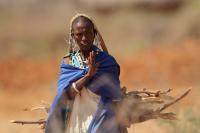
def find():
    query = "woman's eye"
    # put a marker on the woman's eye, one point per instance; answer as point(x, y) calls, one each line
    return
point(79, 34)
point(88, 33)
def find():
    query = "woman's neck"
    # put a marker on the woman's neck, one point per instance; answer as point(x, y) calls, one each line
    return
point(86, 54)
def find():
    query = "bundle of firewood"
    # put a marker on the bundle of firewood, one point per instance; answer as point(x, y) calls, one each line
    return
point(135, 107)
point(139, 106)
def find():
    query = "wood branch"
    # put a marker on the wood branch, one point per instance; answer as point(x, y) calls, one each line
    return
point(150, 93)
point(156, 115)
point(135, 107)
point(39, 122)
point(152, 100)
point(176, 100)
point(40, 108)
point(169, 116)
point(43, 106)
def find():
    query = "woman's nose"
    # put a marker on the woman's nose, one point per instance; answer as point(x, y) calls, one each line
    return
point(83, 37)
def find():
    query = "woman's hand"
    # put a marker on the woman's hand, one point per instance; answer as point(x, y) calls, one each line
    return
point(93, 66)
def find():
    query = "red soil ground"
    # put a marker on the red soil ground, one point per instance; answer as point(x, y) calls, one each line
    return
point(177, 65)
point(24, 81)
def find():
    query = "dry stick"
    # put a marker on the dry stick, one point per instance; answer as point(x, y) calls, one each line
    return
point(149, 93)
point(170, 116)
point(39, 122)
point(44, 106)
point(42, 121)
point(46, 109)
point(29, 122)
point(152, 100)
point(176, 100)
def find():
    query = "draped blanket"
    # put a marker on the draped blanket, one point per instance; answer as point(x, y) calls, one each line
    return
point(105, 83)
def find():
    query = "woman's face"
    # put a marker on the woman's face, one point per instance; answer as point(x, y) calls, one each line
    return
point(83, 33)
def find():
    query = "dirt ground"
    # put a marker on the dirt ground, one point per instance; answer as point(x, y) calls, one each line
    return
point(24, 82)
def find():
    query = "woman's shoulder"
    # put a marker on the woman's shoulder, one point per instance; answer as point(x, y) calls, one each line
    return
point(102, 53)
point(66, 59)
point(106, 59)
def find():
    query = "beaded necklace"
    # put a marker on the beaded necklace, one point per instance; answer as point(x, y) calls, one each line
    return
point(77, 60)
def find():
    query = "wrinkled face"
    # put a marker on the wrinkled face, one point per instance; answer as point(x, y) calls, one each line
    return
point(83, 33)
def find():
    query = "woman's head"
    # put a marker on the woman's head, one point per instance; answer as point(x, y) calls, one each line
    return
point(83, 32)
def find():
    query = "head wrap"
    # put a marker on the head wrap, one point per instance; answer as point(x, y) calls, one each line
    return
point(98, 40)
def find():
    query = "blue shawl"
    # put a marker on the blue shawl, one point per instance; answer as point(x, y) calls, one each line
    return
point(104, 83)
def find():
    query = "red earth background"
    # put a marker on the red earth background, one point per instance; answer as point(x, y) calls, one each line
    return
point(156, 49)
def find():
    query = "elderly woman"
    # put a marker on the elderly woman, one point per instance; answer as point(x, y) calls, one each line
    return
point(88, 84)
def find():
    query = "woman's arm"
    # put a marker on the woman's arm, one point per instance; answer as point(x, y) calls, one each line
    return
point(79, 84)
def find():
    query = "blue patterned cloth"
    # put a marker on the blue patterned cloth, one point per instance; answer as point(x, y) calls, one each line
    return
point(105, 83)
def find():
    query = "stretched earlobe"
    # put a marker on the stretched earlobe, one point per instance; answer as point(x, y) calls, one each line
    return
point(72, 35)
point(95, 31)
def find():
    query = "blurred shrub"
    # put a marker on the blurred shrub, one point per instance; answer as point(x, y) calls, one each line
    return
point(188, 122)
